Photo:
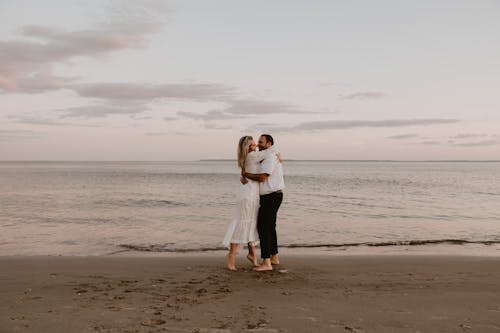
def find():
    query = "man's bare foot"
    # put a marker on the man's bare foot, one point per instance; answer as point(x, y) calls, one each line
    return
point(263, 267)
point(231, 262)
point(275, 260)
point(253, 260)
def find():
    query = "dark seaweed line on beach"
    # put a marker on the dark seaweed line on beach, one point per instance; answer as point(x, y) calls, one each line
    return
point(163, 248)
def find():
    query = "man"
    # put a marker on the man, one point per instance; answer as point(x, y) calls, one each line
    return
point(271, 185)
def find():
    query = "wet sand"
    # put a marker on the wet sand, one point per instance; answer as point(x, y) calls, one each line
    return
point(326, 293)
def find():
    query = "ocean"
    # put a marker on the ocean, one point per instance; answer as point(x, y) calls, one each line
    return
point(100, 208)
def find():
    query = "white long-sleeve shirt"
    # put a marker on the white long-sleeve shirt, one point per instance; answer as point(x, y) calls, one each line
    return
point(271, 166)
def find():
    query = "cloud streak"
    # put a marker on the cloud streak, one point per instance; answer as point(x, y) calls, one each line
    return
point(403, 136)
point(246, 108)
point(148, 92)
point(217, 126)
point(208, 116)
point(103, 110)
point(44, 121)
point(366, 95)
point(482, 143)
point(430, 142)
point(348, 124)
point(6, 135)
point(459, 140)
point(468, 136)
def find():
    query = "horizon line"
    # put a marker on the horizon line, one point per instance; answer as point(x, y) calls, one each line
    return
point(233, 160)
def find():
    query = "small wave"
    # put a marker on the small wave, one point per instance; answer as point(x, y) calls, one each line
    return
point(141, 202)
point(399, 243)
point(488, 193)
point(167, 248)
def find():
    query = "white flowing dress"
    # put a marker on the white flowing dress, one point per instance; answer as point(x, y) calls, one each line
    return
point(243, 227)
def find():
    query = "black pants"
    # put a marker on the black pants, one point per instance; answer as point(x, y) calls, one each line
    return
point(266, 223)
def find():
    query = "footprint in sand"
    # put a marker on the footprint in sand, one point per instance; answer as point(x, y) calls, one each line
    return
point(80, 291)
point(153, 322)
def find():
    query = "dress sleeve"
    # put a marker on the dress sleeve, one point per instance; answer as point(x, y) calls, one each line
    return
point(259, 155)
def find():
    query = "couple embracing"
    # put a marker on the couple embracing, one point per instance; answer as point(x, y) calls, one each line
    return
point(258, 200)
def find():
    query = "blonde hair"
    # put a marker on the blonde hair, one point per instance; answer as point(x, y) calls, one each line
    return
point(243, 148)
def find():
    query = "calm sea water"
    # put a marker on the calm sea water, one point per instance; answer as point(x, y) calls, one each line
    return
point(93, 208)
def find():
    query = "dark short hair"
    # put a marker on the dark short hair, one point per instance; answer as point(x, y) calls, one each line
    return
point(268, 138)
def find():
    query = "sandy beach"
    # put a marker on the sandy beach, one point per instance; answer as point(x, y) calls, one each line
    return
point(306, 293)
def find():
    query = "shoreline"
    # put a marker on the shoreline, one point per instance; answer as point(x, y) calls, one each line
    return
point(476, 250)
point(443, 249)
point(306, 293)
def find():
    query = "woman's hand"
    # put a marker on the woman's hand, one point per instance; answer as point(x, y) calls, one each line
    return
point(278, 156)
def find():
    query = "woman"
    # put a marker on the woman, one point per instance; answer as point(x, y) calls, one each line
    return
point(243, 228)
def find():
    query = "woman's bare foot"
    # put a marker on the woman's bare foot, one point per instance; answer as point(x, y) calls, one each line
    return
point(231, 262)
point(252, 259)
point(275, 260)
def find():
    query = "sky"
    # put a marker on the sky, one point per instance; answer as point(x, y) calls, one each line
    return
point(179, 80)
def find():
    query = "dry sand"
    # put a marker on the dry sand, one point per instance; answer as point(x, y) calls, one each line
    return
point(326, 293)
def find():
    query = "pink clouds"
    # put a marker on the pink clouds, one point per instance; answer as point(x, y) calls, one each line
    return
point(26, 64)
